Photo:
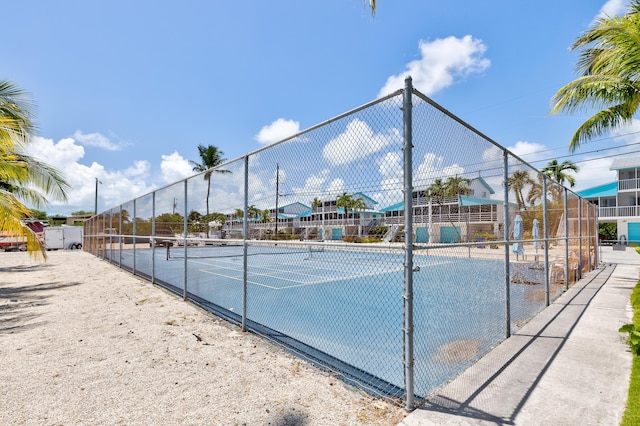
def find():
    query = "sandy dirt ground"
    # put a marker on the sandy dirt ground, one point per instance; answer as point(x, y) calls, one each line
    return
point(85, 343)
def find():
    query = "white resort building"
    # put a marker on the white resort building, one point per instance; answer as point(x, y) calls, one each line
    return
point(619, 202)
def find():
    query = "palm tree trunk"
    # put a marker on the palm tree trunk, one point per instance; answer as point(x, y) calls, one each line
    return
point(208, 191)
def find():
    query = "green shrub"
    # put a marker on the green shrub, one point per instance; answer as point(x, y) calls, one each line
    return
point(634, 337)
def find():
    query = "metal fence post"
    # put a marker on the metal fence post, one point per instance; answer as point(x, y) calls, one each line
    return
point(408, 242)
point(134, 236)
point(579, 271)
point(596, 249)
point(186, 228)
point(245, 231)
point(152, 241)
point(120, 238)
point(566, 239)
point(545, 219)
point(588, 238)
point(507, 272)
point(111, 235)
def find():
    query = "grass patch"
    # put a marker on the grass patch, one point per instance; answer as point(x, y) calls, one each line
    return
point(632, 411)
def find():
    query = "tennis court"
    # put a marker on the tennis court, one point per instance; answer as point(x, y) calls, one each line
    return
point(326, 216)
point(347, 302)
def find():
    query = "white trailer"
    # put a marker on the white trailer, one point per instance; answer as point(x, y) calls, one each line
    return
point(63, 237)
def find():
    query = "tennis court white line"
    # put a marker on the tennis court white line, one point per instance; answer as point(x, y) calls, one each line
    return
point(234, 266)
point(312, 265)
point(300, 284)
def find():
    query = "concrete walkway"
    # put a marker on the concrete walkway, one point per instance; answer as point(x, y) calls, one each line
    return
point(567, 366)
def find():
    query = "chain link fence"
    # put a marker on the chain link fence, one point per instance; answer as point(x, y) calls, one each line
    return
point(394, 245)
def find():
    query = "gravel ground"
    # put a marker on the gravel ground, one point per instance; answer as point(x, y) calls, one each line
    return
point(85, 343)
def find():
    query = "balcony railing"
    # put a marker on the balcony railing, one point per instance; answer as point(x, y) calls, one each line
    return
point(618, 211)
point(628, 184)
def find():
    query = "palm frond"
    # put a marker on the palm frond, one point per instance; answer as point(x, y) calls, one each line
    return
point(600, 123)
point(11, 211)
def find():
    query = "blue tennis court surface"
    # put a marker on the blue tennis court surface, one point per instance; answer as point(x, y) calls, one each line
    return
point(349, 304)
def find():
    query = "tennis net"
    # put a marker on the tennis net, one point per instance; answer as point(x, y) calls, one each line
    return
point(231, 248)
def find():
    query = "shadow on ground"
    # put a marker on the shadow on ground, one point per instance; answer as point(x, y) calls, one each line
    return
point(293, 418)
point(530, 355)
point(24, 268)
point(19, 304)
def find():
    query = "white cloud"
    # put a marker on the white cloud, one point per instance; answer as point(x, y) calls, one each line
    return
point(441, 62)
point(528, 151)
point(391, 169)
point(117, 186)
point(336, 187)
point(175, 168)
point(612, 8)
point(277, 131)
point(593, 173)
point(313, 186)
point(627, 134)
point(357, 141)
point(97, 140)
point(432, 167)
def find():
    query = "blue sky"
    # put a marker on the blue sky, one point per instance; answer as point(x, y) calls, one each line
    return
point(126, 90)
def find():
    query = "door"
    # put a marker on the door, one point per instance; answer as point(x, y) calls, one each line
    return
point(449, 234)
point(422, 236)
point(634, 233)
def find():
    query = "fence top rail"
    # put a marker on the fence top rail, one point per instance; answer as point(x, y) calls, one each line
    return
point(476, 131)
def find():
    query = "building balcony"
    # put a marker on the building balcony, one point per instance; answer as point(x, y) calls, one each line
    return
point(628, 184)
point(619, 211)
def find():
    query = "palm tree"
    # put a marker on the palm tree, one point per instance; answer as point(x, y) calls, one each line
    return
point(535, 193)
point(238, 214)
point(348, 203)
point(516, 183)
point(437, 191)
point(344, 201)
point(22, 177)
point(457, 185)
point(265, 216)
point(210, 157)
point(556, 171)
point(253, 212)
point(372, 4)
point(609, 80)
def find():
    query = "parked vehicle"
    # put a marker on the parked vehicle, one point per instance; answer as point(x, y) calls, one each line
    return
point(10, 242)
point(63, 237)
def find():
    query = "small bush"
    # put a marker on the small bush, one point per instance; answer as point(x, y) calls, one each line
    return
point(634, 337)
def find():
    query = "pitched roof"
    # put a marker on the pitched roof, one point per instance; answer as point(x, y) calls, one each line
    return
point(606, 190)
point(484, 183)
point(625, 163)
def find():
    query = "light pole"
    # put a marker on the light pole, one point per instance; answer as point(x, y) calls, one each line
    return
point(95, 206)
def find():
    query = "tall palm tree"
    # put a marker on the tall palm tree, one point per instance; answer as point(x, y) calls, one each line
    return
point(238, 214)
point(556, 171)
point(517, 182)
point(457, 185)
point(22, 177)
point(345, 200)
point(265, 218)
point(437, 191)
point(210, 158)
point(348, 203)
point(253, 212)
point(609, 81)
point(536, 192)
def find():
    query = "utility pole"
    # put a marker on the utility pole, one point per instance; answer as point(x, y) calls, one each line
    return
point(95, 206)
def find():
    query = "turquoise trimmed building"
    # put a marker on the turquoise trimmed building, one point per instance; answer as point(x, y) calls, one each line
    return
point(619, 202)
